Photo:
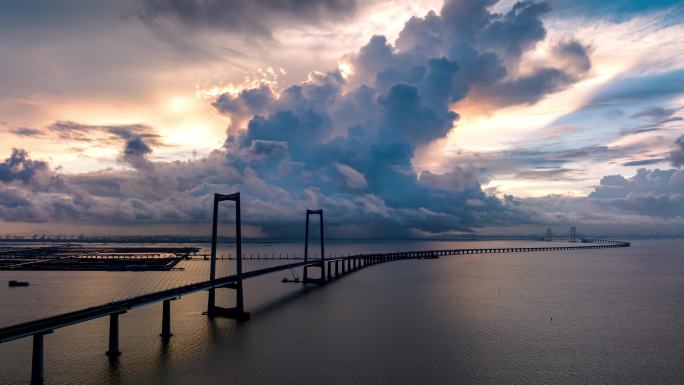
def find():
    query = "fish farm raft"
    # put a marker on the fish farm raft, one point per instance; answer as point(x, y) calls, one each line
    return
point(68, 257)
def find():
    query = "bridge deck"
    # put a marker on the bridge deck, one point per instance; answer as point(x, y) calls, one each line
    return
point(49, 324)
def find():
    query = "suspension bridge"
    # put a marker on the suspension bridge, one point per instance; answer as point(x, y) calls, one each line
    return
point(325, 269)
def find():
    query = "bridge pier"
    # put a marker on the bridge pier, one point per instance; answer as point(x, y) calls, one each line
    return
point(113, 350)
point(38, 360)
point(166, 319)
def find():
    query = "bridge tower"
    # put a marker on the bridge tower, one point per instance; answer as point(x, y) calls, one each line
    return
point(573, 234)
point(549, 234)
point(321, 264)
point(237, 312)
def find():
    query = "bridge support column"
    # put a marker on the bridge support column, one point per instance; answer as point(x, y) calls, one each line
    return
point(166, 319)
point(114, 336)
point(37, 360)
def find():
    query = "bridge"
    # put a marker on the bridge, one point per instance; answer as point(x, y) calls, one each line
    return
point(329, 269)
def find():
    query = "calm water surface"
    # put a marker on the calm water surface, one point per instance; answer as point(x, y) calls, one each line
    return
point(600, 316)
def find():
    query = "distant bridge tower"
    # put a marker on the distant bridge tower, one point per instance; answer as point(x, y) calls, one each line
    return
point(306, 278)
point(573, 234)
point(549, 234)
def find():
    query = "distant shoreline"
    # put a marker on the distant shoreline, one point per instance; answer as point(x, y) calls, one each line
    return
point(181, 239)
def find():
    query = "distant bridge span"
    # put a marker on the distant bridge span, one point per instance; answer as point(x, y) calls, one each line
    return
point(330, 269)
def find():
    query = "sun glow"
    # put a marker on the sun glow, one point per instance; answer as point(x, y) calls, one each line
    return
point(179, 104)
point(268, 76)
point(345, 69)
point(529, 188)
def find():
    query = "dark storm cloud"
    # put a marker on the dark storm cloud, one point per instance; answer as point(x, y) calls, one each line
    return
point(358, 135)
point(18, 167)
point(644, 182)
point(649, 192)
point(459, 179)
point(527, 89)
point(33, 192)
point(487, 47)
point(677, 154)
point(573, 64)
point(643, 162)
point(27, 132)
point(574, 55)
point(134, 152)
point(517, 30)
point(255, 17)
point(245, 104)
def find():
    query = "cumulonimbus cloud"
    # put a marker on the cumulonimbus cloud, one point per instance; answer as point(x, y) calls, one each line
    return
point(677, 154)
point(341, 141)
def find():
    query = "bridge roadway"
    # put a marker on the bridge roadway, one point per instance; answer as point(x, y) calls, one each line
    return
point(47, 325)
point(336, 267)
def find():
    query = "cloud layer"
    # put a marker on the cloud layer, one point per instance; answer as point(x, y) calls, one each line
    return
point(255, 17)
point(345, 139)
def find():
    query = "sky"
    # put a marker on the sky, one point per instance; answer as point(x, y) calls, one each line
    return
point(400, 119)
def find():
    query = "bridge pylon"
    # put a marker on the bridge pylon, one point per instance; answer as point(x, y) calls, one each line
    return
point(238, 311)
point(321, 264)
point(573, 234)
